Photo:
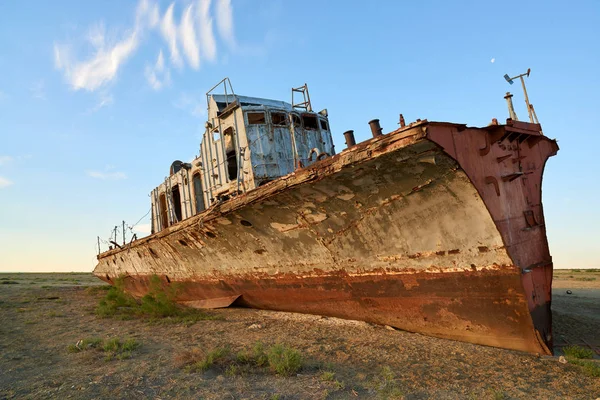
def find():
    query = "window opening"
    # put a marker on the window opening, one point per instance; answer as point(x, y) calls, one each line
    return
point(163, 211)
point(256, 118)
point(198, 194)
point(324, 125)
point(176, 201)
point(279, 119)
point(310, 122)
point(230, 154)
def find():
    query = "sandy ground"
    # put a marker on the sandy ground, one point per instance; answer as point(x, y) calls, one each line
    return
point(42, 314)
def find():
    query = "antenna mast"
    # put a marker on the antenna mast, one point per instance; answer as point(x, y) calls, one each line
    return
point(532, 116)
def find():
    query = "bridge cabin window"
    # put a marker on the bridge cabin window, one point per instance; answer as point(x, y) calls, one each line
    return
point(310, 122)
point(324, 125)
point(256, 118)
point(279, 119)
point(198, 195)
point(163, 211)
point(230, 154)
point(176, 202)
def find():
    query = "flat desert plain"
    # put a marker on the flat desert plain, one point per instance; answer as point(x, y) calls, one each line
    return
point(54, 346)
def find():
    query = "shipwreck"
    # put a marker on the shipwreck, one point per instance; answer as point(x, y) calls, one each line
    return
point(435, 227)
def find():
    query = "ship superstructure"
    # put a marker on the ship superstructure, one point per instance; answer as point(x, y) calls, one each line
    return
point(248, 142)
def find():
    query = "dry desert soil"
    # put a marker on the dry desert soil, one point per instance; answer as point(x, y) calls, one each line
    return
point(54, 346)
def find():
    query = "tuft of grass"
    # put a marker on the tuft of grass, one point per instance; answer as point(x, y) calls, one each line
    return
point(585, 279)
point(327, 376)
point(284, 360)
point(589, 368)
point(499, 394)
point(111, 345)
point(215, 356)
point(10, 282)
point(385, 384)
point(279, 359)
point(577, 352)
point(576, 270)
point(232, 370)
point(259, 356)
point(113, 348)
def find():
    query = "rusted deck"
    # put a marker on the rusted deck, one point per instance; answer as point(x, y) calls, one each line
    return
point(434, 228)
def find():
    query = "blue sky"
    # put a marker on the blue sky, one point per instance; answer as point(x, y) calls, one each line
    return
point(97, 99)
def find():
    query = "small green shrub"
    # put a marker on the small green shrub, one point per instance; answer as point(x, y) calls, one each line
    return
point(328, 376)
point(284, 360)
point(232, 370)
point(117, 301)
point(217, 355)
point(499, 394)
point(259, 356)
point(113, 348)
point(111, 345)
point(589, 368)
point(385, 385)
point(160, 300)
point(577, 352)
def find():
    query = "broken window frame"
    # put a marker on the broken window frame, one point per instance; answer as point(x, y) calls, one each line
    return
point(310, 126)
point(262, 121)
point(323, 124)
point(281, 122)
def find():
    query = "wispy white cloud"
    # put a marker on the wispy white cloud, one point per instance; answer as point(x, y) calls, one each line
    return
point(102, 67)
point(493, 60)
point(225, 21)
point(193, 36)
point(6, 160)
point(4, 183)
point(169, 32)
point(38, 90)
point(158, 76)
point(189, 37)
point(107, 174)
point(207, 37)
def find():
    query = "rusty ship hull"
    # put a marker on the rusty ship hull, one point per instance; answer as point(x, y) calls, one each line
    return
point(435, 228)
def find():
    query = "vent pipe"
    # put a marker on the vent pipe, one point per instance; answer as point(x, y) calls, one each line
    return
point(375, 127)
point(349, 136)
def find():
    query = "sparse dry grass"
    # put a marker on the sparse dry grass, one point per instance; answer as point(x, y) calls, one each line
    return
point(280, 360)
point(112, 348)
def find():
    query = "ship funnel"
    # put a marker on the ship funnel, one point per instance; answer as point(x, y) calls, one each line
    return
point(349, 136)
point(375, 127)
